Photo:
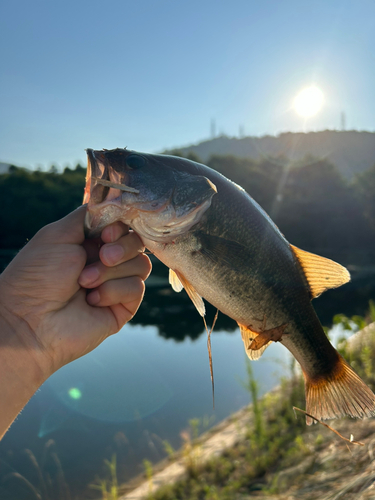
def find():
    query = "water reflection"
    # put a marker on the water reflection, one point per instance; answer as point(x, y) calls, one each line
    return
point(112, 384)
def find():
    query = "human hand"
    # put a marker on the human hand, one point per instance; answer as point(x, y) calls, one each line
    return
point(49, 317)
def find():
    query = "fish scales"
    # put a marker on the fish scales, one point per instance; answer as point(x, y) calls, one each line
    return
point(222, 246)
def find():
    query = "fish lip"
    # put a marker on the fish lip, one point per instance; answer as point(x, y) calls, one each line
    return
point(90, 154)
point(91, 167)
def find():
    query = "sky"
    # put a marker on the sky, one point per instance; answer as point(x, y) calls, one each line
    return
point(152, 74)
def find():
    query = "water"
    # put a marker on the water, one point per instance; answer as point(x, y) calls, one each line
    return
point(128, 396)
point(140, 388)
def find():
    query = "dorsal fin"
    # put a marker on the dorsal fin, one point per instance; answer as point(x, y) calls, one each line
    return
point(193, 294)
point(175, 281)
point(248, 336)
point(321, 273)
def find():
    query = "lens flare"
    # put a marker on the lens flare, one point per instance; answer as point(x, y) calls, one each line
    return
point(75, 393)
point(309, 101)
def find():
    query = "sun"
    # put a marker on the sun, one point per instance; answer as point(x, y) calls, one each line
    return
point(309, 101)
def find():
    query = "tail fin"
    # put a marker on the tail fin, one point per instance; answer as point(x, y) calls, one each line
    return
point(340, 393)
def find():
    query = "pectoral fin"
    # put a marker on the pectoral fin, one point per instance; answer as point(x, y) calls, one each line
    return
point(248, 337)
point(321, 273)
point(190, 290)
point(175, 281)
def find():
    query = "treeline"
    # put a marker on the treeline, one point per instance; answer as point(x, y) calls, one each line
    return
point(311, 203)
point(32, 199)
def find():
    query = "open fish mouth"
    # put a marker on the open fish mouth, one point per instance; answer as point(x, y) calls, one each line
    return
point(103, 190)
point(98, 173)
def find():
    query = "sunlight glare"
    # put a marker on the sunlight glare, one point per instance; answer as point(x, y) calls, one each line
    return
point(309, 101)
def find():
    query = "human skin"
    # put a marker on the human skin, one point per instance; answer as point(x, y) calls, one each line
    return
point(60, 297)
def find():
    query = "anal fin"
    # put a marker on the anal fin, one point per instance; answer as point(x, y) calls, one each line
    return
point(248, 337)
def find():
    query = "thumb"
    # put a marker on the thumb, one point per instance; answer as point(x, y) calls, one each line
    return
point(68, 229)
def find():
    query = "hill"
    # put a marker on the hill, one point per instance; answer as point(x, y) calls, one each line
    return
point(351, 151)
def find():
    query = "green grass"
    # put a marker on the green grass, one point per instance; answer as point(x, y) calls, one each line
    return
point(273, 436)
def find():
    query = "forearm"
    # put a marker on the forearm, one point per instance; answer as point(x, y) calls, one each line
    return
point(20, 375)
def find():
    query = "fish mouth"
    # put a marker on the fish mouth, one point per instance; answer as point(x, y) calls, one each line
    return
point(95, 171)
point(104, 186)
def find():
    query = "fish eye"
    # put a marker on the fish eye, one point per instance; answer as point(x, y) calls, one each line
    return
point(135, 161)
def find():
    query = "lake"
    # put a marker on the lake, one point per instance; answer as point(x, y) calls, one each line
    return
point(141, 388)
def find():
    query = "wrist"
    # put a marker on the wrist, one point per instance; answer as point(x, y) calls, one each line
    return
point(20, 374)
point(19, 350)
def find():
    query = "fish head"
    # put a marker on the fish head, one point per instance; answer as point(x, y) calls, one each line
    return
point(160, 197)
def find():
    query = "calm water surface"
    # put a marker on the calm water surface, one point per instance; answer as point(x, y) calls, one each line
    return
point(128, 396)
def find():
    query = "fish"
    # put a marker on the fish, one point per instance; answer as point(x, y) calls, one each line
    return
point(221, 246)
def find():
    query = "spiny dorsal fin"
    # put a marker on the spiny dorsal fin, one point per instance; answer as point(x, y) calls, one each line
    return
point(321, 273)
point(193, 294)
point(174, 281)
point(248, 336)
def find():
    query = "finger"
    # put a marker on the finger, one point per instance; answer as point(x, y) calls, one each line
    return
point(126, 248)
point(67, 230)
point(109, 234)
point(124, 313)
point(96, 274)
point(114, 231)
point(122, 291)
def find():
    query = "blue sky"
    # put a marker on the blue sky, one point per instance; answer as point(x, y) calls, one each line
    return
point(152, 74)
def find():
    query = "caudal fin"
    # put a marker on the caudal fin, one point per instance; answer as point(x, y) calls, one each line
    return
point(340, 393)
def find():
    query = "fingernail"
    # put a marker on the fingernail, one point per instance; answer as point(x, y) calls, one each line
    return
point(113, 253)
point(88, 275)
point(93, 298)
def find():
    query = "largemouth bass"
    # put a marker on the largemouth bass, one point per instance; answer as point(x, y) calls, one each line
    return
point(220, 245)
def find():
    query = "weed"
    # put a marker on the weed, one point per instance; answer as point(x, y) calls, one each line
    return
point(108, 488)
point(149, 475)
point(169, 449)
point(49, 474)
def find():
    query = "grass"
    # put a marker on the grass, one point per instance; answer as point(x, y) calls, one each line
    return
point(272, 436)
point(48, 482)
point(108, 487)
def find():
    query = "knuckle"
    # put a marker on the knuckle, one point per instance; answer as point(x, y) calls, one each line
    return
point(145, 266)
point(136, 241)
point(138, 286)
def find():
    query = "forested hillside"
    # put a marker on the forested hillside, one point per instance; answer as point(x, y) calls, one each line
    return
point(351, 151)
